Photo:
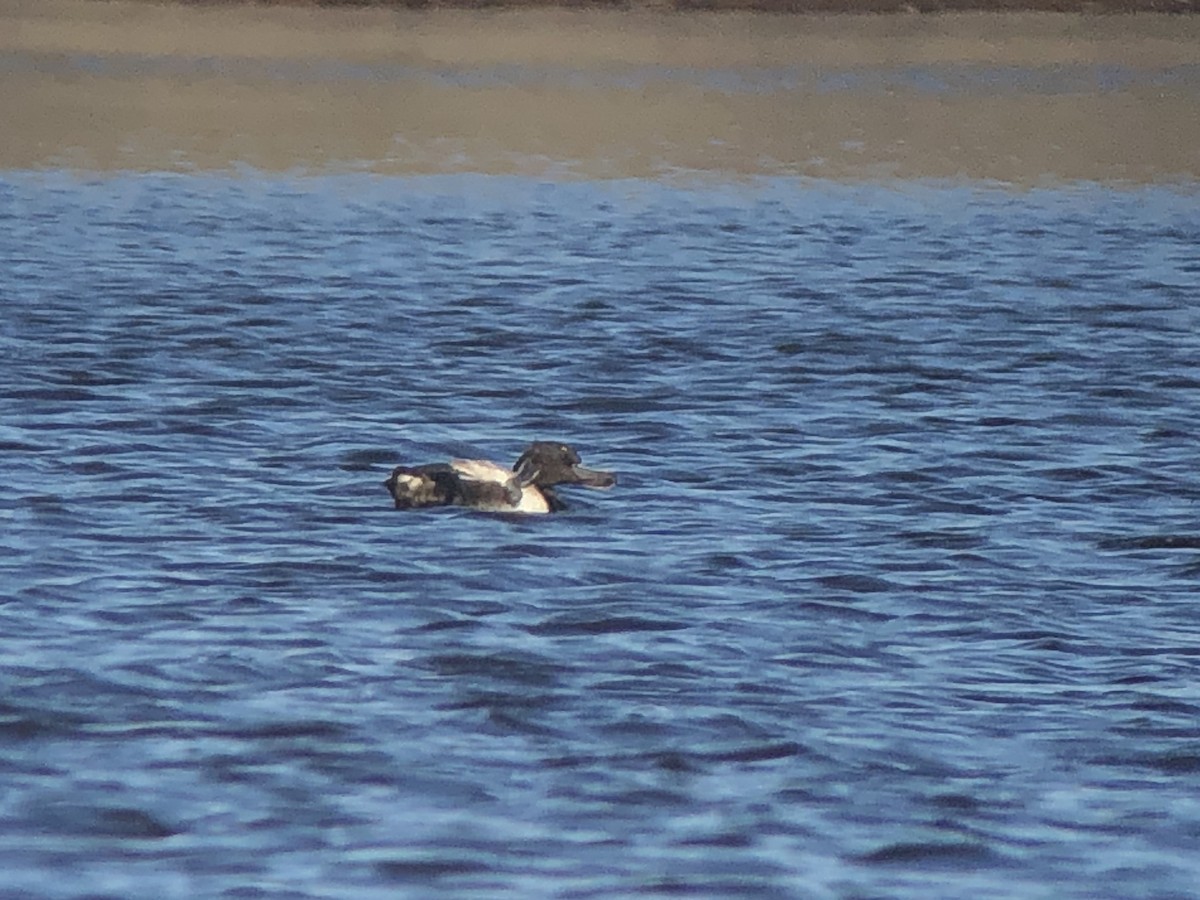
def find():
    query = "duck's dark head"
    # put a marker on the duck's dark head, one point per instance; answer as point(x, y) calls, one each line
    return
point(547, 463)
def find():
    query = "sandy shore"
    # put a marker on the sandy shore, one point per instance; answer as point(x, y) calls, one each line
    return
point(851, 7)
point(1016, 97)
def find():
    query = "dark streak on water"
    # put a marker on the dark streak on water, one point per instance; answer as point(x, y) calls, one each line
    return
point(897, 595)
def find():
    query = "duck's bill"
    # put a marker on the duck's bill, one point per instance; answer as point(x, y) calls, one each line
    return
point(593, 478)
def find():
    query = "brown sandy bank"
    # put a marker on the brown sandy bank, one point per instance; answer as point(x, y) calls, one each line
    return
point(1017, 97)
point(1089, 7)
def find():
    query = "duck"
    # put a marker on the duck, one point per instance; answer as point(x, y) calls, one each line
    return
point(528, 487)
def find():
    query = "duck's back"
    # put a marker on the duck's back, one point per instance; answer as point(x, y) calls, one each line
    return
point(482, 470)
point(489, 485)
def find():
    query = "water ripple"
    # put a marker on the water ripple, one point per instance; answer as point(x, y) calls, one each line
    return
point(896, 588)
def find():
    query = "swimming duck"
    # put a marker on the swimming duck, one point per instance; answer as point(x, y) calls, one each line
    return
point(528, 487)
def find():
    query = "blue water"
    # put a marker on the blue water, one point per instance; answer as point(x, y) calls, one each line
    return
point(897, 595)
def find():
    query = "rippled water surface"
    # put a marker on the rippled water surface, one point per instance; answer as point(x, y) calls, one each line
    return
point(896, 596)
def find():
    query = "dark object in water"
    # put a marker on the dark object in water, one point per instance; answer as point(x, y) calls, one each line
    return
point(528, 487)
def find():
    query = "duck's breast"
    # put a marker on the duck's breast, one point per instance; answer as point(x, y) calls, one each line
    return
point(532, 501)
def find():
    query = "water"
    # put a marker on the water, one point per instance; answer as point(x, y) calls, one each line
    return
point(896, 595)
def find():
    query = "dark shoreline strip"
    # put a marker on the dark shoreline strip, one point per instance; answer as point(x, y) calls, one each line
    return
point(823, 7)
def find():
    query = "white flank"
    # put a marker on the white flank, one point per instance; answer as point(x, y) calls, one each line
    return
point(484, 470)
